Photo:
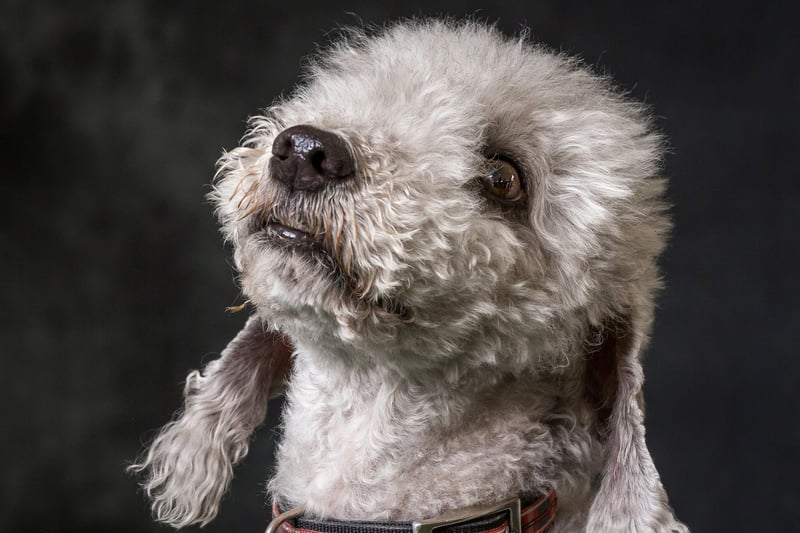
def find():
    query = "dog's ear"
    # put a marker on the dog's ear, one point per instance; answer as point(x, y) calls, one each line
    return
point(189, 464)
point(630, 496)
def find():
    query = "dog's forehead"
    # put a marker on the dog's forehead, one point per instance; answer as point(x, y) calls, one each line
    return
point(447, 90)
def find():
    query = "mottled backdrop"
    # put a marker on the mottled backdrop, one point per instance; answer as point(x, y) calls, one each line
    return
point(115, 282)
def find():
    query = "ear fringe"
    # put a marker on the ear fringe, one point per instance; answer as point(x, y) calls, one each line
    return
point(189, 464)
point(631, 497)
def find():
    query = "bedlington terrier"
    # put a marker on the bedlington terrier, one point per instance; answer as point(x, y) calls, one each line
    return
point(448, 239)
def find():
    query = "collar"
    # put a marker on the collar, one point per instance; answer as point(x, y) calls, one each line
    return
point(514, 515)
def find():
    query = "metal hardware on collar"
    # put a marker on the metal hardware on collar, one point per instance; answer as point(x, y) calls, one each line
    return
point(512, 505)
point(283, 517)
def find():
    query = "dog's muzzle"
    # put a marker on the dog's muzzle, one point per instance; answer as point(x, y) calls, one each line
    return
point(305, 158)
point(509, 516)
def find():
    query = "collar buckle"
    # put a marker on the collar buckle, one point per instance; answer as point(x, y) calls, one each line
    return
point(512, 505)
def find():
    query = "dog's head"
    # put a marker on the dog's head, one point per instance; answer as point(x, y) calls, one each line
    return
point(439, 187)
point(439, 195)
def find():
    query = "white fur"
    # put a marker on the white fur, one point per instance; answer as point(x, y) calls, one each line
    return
point(189, 463)
point(477, 392)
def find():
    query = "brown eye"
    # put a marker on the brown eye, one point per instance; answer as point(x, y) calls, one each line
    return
point(503, 182)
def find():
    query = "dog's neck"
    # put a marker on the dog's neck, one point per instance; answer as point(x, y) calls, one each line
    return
point(374, 442)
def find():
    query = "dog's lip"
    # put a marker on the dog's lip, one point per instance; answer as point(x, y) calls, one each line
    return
point(287, 234)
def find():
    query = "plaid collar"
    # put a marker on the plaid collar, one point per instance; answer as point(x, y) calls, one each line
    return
point(510, 516)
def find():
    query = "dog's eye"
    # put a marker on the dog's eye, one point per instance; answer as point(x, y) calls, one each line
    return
point(502, 181)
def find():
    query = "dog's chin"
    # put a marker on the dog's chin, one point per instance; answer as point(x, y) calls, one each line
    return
point(297, 249)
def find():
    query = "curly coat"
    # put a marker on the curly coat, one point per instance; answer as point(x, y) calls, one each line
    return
point(446, 350)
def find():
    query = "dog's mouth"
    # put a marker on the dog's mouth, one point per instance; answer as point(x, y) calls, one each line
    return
point(297, 238)
point(281, 234)
point(288, 235)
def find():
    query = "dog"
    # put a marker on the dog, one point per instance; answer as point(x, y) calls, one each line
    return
point(449, 239)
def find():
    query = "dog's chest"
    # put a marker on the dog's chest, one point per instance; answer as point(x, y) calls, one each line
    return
point(377, 449)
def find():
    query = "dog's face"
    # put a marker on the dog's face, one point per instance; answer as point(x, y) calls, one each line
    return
point(493, 201)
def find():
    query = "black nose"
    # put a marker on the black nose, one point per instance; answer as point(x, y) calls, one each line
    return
point(307, 158)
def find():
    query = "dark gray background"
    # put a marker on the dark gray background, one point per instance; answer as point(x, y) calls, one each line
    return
point(115, 281)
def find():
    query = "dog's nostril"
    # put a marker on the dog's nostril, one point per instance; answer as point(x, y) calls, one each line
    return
point(307, 158)
point(282, 148)
point(316, 158)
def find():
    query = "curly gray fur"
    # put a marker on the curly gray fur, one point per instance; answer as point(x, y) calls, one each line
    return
point(484, 386)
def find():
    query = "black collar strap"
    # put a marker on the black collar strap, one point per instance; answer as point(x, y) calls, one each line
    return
point(510, 516)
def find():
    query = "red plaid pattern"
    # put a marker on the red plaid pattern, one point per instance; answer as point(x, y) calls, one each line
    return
point(539, 516)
